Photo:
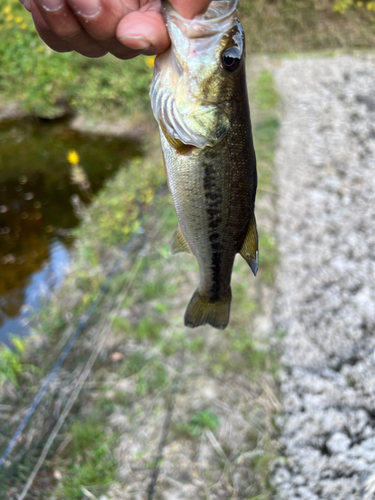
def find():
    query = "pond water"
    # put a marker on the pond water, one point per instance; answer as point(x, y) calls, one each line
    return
point(42, 165)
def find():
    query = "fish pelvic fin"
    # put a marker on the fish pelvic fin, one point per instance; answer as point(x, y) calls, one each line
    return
point(249, 249)
point(202, 311)
point(179, 243)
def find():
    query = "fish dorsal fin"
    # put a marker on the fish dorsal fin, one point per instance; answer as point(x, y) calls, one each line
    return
point(179, 243)
point(249, 248)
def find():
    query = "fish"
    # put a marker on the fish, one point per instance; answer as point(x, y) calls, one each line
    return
point(199, 99)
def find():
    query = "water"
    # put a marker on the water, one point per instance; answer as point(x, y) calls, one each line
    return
point(36, 214)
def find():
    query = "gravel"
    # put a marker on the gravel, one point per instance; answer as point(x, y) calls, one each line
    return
point(325, 171)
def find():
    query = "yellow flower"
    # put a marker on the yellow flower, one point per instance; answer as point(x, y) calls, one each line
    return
point(150, 61)
point(73, 157)
point(23, 26)
point(9, 17)
point(18, 19)
point(6, 10)
point(40, 48)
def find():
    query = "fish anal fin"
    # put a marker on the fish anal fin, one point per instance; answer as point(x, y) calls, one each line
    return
point(249, 248)
point(176, 144)
point(201, 311)
point(179, 243)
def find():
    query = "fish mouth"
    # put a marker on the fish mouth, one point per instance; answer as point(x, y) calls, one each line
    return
point(218, 15)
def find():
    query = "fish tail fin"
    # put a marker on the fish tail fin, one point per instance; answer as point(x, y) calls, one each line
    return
point(201, 311)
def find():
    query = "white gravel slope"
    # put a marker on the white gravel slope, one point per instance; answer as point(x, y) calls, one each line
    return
point(325, 168)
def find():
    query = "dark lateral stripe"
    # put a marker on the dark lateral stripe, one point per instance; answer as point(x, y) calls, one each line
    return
point(214, 201)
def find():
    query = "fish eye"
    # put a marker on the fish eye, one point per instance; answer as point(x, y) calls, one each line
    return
point(231, 58)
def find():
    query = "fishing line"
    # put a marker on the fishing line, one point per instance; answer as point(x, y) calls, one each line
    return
point(67, 348)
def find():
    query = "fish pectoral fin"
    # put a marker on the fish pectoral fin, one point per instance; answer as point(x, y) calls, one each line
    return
point(249, 248)
point(179, 243)
point(201, 311)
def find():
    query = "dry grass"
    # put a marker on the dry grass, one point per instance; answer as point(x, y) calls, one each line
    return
point(304, 25)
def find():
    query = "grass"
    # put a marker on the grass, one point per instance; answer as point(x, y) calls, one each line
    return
point(305, 25)
point(47, 83)
point(198, 423)
point(264, 91)
point(91, 463)
point(13, 364)
point(149, 333)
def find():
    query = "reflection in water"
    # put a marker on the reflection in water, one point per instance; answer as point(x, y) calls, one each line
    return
point(36, 185)
point(41, 285)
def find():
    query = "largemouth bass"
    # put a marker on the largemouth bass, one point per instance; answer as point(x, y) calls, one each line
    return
point(199, 99)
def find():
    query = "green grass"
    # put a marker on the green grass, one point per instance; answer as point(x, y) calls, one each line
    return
point(197, 424)
point(264, 91)
point(152, 379)
point(91, 462)
point(120, 208)
point(46, 81)
point(268, 256)
point(12, 362)
point(148, 328)
point(133, 364)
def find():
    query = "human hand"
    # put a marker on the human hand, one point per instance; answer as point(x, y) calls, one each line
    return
point(124, 28)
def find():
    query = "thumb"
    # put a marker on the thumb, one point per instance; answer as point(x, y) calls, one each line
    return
point(190, 8)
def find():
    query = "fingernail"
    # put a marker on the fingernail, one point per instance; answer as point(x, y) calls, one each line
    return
point(52, 5)
point(87, 8)
point(136, 42)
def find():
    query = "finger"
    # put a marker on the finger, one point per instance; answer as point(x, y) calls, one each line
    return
point(144, 31)
point(26, 4)
point(63, 24)
point(190, 9)
point(45, 33)
point(100, 19)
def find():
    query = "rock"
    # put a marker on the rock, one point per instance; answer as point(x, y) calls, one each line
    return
point(326, 300)
point(338, 443)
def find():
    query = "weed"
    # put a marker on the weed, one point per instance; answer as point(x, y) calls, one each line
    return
point(117, 283)
point(133, 364)
point(92, 463)
point(148, 328)
point(196, 344)
point(12, 366)
point(152, 290)
point(152, 379)
point(121, 325)
point(264, 92)
point(203, 420)
point(161, 307)
point(197, 423)
point(84, 434)
point(266, 130)
point(268, 256)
